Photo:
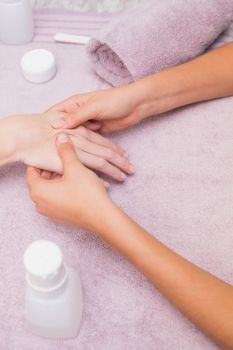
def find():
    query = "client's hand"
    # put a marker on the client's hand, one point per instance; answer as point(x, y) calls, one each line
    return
point(35, 140)
point(77, 198)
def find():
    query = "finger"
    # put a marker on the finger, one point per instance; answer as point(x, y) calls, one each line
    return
point(100, 140)
point(64, 105)
point(59, 107)
point(72, 120)
point(57, 177)
point(101, 165)
point(67, 153)
point(46, 174)
point(94, 126)
point(105, 153)
point(33, 176)
point(71, 106)
point(109, 126)
point(106, 184)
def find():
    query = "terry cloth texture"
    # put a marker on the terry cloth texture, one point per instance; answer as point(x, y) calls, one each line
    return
point(156, 35)
point(182, 192)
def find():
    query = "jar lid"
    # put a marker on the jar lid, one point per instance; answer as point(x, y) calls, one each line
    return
point(45, 270)
point(38, 66)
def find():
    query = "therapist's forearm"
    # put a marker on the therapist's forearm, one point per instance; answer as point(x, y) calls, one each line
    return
point(207, 77)
point(203, 298)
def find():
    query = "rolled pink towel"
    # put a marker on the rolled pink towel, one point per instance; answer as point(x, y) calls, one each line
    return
point(156, 35)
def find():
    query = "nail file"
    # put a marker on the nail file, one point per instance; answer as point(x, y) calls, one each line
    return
point(71, 39)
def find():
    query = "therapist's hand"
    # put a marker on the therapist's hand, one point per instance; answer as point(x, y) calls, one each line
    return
point(110, 109)
point(78, 198)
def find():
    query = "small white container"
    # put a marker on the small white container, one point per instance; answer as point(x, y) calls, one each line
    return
point(16, 22)
point(38, 66)
point(54, 295)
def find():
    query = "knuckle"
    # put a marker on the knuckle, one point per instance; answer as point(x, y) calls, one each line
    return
point(108, 142)
point(69, 120)
point(126, 164)
point(72, 99)
point(83, 131)
point(110, 154)
point(101, 164)
point(81, 142)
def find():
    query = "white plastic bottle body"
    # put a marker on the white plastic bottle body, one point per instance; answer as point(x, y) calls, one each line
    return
point(56, 314)
point(16, 22)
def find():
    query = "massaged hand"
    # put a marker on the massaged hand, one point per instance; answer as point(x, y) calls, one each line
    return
point(77, 198)
point(36, 146)
point(111, 109)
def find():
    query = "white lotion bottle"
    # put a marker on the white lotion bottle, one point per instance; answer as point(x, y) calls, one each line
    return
point(16, 22)
point(54, 302)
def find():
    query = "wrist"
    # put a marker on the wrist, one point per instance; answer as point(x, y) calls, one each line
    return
point(110, 225)
point(8, 135)
point(123, 234)
point(100, 222)
point(160, 92)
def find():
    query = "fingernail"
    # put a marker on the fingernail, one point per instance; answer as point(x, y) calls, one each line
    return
point(63, 138)
point(58, 123)
point(125, 155)
point(131, 169)
point(123, 176)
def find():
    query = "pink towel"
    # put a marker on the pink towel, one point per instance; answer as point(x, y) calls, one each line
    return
point(157, 35)
point(182, 192)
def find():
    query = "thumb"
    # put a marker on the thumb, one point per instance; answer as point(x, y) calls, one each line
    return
point(33, 177)
point(72, 120)
point(67, 153)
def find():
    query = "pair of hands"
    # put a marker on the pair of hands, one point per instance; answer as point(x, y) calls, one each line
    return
point(78, 197)
point(35, 143)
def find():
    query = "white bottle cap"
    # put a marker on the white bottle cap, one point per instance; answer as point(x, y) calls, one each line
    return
point(45, 270)
point(38, 66)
